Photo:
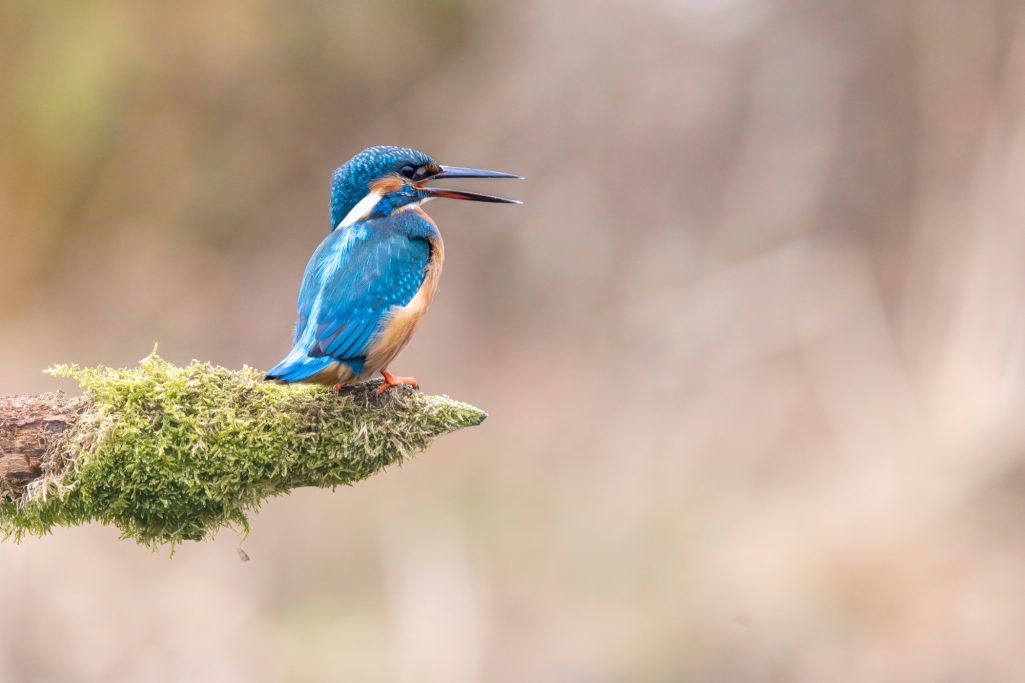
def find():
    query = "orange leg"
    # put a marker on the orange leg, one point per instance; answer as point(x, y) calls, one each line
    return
point(391, 380)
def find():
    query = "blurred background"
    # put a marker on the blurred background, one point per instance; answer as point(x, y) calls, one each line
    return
point(753, 349)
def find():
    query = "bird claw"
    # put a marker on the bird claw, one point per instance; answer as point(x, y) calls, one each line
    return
point(391, 380)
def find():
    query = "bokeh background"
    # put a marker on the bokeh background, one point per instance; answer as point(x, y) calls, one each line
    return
point(752, 349)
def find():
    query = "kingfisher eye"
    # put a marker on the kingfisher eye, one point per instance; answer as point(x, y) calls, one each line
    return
point(408, 171)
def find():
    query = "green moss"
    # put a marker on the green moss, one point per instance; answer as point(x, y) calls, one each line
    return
point(170, 454)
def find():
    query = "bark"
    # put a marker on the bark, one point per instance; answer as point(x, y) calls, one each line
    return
point(31, 431)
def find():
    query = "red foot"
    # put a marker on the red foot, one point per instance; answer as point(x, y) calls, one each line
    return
point(391, 380)
point(337, 388)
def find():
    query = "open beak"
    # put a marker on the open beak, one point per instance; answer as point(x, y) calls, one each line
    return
point(432, 192)
point(462, 172)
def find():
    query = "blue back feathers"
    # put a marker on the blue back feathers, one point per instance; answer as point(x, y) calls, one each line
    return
point(351, 283)
point(351, 181)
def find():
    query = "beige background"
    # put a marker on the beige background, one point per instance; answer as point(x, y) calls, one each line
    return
point(752, 349)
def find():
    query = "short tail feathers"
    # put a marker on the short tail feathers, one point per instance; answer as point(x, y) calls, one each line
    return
point(297, 366)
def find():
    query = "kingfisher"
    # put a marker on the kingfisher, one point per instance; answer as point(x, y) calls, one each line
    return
point(369, 283)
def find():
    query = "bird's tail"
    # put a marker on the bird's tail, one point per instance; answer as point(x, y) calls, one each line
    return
point(297, 366)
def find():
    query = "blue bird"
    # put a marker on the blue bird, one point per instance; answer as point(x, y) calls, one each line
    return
point(372, 279)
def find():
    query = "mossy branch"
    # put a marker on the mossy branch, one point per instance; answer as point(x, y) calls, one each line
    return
point(170, 454)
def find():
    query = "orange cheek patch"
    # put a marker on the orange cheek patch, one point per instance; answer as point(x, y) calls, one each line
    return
point(383, 186)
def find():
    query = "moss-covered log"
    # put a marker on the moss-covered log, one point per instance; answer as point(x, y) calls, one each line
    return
point(169, 454)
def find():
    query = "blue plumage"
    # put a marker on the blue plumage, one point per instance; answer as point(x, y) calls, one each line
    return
point(370, 281)
point(350, 180)
point(355, 277)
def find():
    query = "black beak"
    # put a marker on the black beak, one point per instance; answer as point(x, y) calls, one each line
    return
point(431, 192)
point(460, 172)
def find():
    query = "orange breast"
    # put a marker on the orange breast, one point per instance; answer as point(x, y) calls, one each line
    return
point(403, 320)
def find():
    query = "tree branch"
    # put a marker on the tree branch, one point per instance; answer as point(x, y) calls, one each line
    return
point(168, 454)
point(31, 429)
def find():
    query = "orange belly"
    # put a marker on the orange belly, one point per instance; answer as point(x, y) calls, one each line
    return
point(398, 327)
point(402, 322)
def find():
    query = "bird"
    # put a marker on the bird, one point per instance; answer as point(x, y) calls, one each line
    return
point(369, 283)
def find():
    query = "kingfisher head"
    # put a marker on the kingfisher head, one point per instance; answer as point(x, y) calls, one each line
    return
point(382, 179)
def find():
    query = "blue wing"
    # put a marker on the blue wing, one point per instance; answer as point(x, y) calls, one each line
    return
point(351, 284)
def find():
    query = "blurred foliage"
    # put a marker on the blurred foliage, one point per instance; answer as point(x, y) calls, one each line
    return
point(91, 90)
point(752, 348)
